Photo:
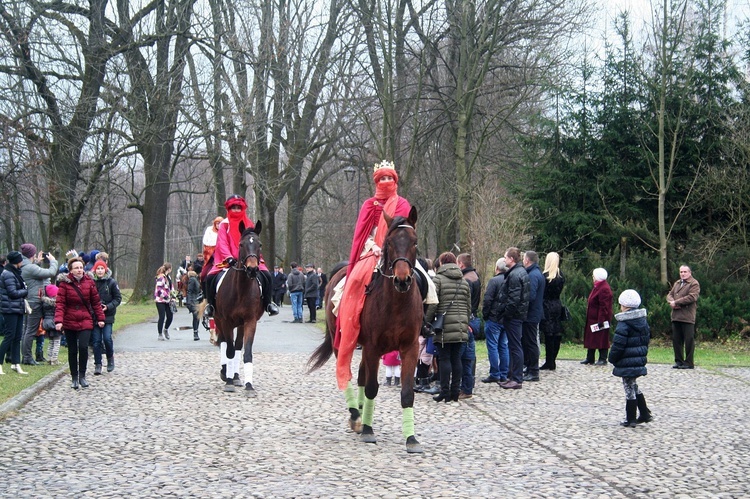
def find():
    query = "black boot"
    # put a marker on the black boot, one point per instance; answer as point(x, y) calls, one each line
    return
point(75, 382)
point(397, 381)
point(589, 356)
point(110, 364)
point(644, 414)
point(268, 304)
point(443, 396)
point(195, 335)
point(387, 381)
point(630, 409)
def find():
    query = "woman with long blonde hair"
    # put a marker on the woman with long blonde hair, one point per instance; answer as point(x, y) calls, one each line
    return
point(551, 324)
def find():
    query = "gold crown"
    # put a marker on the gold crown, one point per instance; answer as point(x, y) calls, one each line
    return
point(384, 164)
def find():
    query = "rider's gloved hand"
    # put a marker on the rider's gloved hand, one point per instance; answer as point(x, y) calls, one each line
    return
point(230, 261)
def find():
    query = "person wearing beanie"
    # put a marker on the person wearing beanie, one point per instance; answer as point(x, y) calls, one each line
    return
point(78, 311)
point(13, 291)
point(629, 355)
point(109, 293)
point(28, 250)
point(38, 270)
point(598, 317)
point(49, 302)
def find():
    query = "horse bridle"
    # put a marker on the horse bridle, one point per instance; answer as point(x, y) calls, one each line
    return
point(391, 276)
point(240, 265)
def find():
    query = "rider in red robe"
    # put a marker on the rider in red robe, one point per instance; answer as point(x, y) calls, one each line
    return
point(228, 250)
point(369, 235)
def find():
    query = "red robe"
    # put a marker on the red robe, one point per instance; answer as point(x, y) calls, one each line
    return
point(358, 277)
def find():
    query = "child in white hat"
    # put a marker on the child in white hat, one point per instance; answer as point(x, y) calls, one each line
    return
point(629, 354)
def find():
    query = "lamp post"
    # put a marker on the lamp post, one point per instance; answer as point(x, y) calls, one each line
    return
point(349, 174)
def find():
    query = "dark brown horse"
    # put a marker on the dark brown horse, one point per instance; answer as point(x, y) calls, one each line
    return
point(239, 305)
point(391, 320)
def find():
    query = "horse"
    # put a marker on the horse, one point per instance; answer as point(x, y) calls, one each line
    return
point(239, 305)
point(391, 320)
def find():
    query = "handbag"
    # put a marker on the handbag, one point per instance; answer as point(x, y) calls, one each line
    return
point(564, 313)
point(172, 306)
point(437, 323)
point(27, 307)
point(430, 347)
point(439, 319)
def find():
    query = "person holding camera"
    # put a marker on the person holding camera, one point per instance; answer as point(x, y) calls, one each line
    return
point(37, 270)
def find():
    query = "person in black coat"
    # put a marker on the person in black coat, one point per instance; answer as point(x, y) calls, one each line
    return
point(279, 285)
point(109, 293)
point(629, 353)
point(12, 294)
point(551, 324)
point(312, 284)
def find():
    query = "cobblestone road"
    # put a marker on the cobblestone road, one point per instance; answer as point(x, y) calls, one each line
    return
point(160, 425)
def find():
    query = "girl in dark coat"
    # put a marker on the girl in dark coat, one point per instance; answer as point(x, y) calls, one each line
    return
point(551, 324)
point(78, 305)
point(12, 293)
point(629, 355)
point(598, 315)
point(109, 293)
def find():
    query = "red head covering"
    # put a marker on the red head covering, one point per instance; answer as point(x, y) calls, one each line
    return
point(235, 217)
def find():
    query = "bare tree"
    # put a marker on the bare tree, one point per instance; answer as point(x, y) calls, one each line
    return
point(155, 63)
point(38, 35)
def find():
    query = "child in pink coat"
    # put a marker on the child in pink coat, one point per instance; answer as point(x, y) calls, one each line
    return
point(392, 363)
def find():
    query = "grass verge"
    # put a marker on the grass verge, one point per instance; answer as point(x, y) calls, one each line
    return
point(11, 384)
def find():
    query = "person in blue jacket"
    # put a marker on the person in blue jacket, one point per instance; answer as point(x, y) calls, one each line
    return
point(629, 354)
point(12, 294)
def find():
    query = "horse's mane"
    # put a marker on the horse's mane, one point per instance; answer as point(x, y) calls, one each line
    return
point(247, 231)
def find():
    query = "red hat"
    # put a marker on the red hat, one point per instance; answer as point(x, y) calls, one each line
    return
point(50, 290)
point(235, 200)
point(99, 263)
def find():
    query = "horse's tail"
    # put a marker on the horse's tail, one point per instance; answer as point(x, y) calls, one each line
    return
point(321, 354)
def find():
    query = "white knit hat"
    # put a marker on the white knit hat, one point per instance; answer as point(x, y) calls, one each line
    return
point(630, 299)
point(600, 274)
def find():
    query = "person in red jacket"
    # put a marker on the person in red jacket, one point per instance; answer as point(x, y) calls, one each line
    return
point(598, 317)
point(78, 305)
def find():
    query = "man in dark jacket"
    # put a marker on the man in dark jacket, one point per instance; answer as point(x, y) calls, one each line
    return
point(279, 285)
point(468, 350)
point(530, 328)
point(295, 284)
point(312, 284)
point(495, 336)
point(515, 304)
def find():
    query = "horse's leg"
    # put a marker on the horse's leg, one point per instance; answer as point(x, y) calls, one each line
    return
point(223, 360)
point(249, 336)
point(237, 349)
point(231, 367)
point(409, 359)
point(355, 416)
point(372, 364)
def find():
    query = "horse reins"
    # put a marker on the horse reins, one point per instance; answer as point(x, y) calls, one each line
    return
point(391, 276)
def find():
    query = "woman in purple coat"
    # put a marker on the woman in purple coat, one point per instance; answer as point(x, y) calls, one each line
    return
point(598, 317)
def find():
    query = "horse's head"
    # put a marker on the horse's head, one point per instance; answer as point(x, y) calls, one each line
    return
point(250, 249)
point(400, 250)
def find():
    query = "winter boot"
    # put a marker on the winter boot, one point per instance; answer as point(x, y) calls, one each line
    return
point(166, 333)
point(644, 414)
point(388, 381)
point(631, 408)
point(397, 381)
point(97, 369)
point(110, 364)
point(195, 335)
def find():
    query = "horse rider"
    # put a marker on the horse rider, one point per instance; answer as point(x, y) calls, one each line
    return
point(227, 252)
point(369, 234)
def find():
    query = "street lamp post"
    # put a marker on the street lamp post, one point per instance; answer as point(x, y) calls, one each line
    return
point(349, 174)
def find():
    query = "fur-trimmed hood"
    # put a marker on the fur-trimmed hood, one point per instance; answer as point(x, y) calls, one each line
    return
point(631, 314)
point(49, 301)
